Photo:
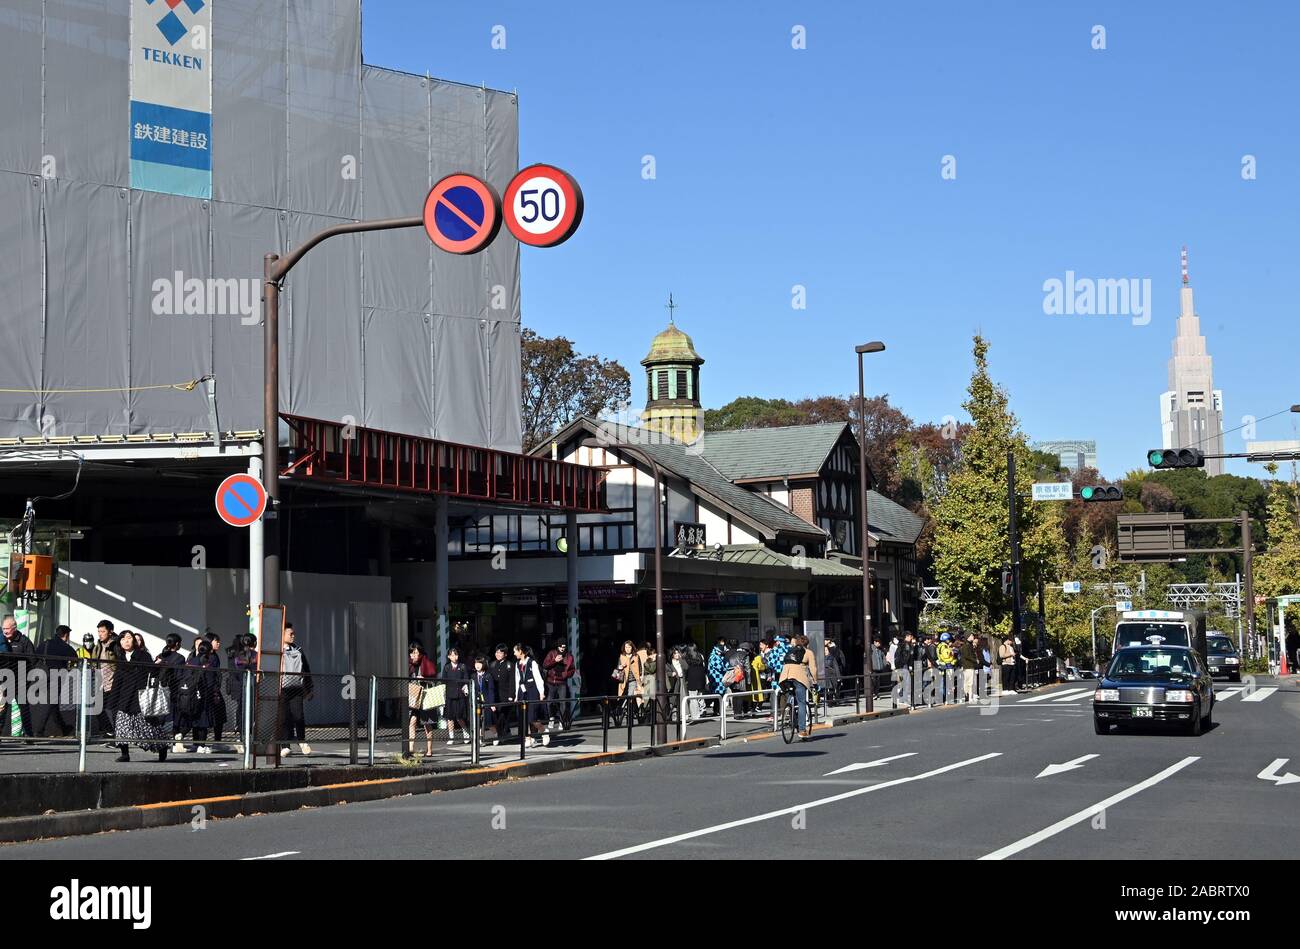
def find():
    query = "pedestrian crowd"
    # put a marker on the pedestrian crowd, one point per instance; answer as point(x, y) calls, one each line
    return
point(952, 666)
point(173, 702)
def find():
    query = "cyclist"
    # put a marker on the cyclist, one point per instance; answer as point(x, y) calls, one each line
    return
point(800, 670)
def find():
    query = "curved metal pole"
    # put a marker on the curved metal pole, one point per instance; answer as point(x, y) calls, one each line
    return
point(274, 270)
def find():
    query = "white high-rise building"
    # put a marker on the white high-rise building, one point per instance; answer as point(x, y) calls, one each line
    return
point(1191, 411)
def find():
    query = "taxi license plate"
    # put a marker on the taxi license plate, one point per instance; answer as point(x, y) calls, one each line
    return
point(1141, 711)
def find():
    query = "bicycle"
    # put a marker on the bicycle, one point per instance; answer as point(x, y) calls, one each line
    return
point(788, 716)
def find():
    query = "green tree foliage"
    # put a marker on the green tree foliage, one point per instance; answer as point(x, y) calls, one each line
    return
point(559, 384)
point(971, 541)
point(1277, 571)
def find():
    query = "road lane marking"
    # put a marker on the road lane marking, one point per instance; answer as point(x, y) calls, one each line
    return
point(1225, 694)
point(1271, 773)
point(1259, 695)
point(868, 764)
point(730, 825)
point(1053, 696)
point(1070, 765)
point(274, 856)
point(1010, 850)
point(1072, 698)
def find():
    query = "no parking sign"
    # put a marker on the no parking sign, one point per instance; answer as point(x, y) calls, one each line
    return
point(542, 206)
point(462, 214)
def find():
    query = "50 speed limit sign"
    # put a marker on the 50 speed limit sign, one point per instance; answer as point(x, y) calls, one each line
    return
point(542, 205)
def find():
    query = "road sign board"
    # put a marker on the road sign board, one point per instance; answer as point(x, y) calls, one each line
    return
point(241, 500)
point(542, 205)
point(1123, 606)
point(462, 214)
point(1053, 491)
point(1071, 586)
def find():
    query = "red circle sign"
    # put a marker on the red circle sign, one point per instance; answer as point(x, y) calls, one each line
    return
point(241, 500)
point(462, 214)
point(542, 205)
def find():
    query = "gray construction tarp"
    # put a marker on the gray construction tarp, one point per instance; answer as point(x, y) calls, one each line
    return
point(382, 330)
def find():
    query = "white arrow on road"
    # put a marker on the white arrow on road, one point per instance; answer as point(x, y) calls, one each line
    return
point(868, 764)
point(1271, 773)
point(1052, 769)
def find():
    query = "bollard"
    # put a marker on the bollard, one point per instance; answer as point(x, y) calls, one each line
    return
point(372, 718)
point(473, 722)
point(523, 729)
point(604, 724)
point(247, 724)
point(83, 725)
point(681, 717)
point(722, 716)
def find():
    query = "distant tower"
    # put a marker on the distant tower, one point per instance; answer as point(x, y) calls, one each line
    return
point(672, 373)
point(1191, 412)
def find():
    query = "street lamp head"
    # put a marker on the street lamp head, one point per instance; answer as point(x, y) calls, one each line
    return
point(876, 346)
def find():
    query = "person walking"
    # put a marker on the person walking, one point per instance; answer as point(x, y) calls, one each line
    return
point(18, 651)
point(718, 666)
point(296, 687)
point(649, 675)
point(420, 672)
point(969, 660)
point(529, 688)
point(503, 678)
point(104, 669)
point(1007, 661)
point(905, 653)
point(203, 693)
point(456, 712)
point(559, 668)
point(136, 682)
point(485, 692)
point(628, 674)
point(878, 666)
point(172, 680)
point(946, 666)
point(55, 657)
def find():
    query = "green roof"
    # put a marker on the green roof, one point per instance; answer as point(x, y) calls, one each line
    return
point(774, 453)
point(672, 345)
point(765, 556)
point(889, 520)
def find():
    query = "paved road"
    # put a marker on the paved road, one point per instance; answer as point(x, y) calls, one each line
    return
point(959, 784)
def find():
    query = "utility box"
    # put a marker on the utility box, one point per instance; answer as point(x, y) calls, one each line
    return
point(31, 573)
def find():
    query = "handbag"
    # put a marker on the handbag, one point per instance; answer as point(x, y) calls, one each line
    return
point(153, 701)
point(414, 693)
point(434, 696)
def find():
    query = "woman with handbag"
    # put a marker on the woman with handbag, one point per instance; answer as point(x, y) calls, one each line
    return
point(421, 670)
point(530, 689)
point(629, 670)
point(143, 704)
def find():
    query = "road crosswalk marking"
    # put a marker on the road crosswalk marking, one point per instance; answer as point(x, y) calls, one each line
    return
point(1259, 695)
point(1074, 698)
point(1053, 695)
point(1225, 694)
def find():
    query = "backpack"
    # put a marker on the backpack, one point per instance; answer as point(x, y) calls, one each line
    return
point(946, 656)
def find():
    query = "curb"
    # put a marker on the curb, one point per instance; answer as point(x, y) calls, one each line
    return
point(172, 813)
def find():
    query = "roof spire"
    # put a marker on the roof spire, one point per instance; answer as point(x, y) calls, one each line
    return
point(1184, 265)
point(670, 307)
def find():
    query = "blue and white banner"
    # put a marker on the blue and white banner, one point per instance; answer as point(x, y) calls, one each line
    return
point(171, 96)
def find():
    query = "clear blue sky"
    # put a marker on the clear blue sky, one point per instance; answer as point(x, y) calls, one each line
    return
point(821, 167)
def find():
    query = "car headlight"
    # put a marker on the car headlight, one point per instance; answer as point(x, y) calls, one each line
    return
point(1178, 695)
point(1106, 695)
point(1232, 661)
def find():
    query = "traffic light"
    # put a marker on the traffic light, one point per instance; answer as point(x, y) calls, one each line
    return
point(1101, 492)
point(1176, 458)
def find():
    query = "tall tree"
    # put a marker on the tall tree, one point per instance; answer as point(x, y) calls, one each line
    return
point(1277, 571)
point(971, 541)
point(560, 384)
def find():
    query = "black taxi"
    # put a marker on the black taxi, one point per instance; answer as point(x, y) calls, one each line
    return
point(1154, 685)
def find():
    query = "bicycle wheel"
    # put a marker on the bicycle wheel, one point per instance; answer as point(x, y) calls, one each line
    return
point(788, 720)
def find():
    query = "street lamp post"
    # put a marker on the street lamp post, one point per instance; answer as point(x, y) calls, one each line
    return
point(661, 676)
point(868, 673)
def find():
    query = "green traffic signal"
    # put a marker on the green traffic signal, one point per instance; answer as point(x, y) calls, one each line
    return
point(1101, 492)
point(1176, 458)
point(1086, 494)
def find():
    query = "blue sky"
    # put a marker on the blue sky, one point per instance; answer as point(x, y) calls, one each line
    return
point(821, 167)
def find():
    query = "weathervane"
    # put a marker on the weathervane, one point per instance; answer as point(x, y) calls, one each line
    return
point(670, 307)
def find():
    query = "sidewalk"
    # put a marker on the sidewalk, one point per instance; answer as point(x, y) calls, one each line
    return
point(53, 756)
